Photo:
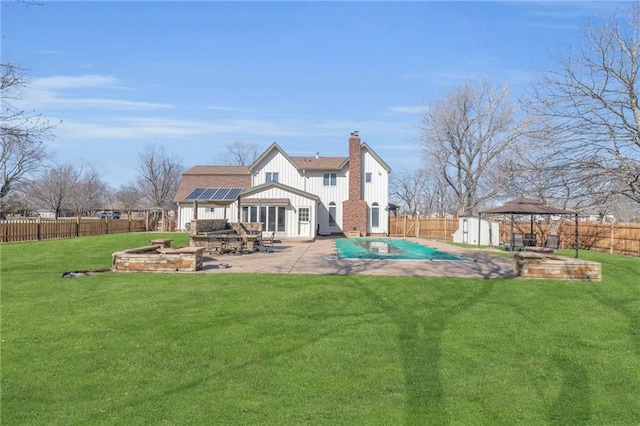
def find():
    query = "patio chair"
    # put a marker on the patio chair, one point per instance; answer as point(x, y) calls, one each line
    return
point(553, 242)
point(518, 242)
point(267, 238)
point(265, 243)
point(215, 244)
point(235, 244)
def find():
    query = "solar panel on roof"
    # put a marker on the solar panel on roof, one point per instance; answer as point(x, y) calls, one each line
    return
point(214, 194)
point(235, 193)
point(219, 194)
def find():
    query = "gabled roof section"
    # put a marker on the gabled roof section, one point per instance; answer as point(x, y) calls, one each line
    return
point(217, 170)
point(274, 147)
point(268, 185)
point(320, 163)
point(376, 156)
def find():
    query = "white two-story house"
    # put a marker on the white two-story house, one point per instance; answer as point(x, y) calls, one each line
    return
point(297, 197)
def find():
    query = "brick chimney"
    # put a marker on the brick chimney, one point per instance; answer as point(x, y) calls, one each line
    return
point(354, 210)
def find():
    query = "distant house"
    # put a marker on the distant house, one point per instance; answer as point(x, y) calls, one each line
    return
point(297, 197)
point(46, 213)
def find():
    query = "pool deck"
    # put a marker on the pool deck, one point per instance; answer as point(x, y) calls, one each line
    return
point(320, 258)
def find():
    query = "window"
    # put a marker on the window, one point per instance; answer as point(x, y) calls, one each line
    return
point(367, 177)
point(272, 177)
point(303, 214)
point(273, 218)
point(332, 214)
point(329, 179)
point(375, 215)
point(210, 209)
point(250, 214)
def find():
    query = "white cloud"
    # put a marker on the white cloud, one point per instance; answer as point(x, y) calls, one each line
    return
point(61, 91)
point(61, 82)
point(407, 109)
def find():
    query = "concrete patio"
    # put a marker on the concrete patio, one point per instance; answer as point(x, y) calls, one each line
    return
point(320, 257)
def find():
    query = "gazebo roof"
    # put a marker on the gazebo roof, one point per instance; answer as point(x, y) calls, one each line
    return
point(526, 206)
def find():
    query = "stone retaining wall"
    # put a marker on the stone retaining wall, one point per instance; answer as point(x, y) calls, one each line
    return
point(540, 265)
point(158, 258)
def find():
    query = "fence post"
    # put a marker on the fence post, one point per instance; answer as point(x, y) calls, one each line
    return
point(446, 222)
point(38, 230)
point(77, 226)
point(611, 239)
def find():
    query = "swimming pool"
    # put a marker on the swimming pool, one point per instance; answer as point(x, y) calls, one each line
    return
point(388, 249)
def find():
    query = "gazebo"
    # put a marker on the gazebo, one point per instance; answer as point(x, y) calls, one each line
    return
point(529, 207)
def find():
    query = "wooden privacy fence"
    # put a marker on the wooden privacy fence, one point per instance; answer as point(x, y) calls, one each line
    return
point(423, 227)
point(619, 238)
point(44, 229)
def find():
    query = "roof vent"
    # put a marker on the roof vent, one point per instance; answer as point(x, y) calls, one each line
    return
point(318, 154)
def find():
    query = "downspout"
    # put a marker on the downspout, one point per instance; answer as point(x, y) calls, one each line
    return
point(479, 224)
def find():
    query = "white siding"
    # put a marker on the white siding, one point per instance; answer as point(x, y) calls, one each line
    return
point(291, 214)
point(185, 213)
point(337, 194)
point(376, 191)
point(276, 162)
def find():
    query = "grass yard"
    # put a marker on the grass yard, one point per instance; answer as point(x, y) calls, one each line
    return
point(301, 349)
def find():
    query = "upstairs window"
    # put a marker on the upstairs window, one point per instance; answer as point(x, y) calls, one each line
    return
point(329, 179)
point(272, 177)
point(367, 177)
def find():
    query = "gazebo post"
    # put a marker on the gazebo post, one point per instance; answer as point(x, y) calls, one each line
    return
point(511, 236)
point(576, 235)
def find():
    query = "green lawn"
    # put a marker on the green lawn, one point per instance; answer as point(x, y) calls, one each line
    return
point(289, 349)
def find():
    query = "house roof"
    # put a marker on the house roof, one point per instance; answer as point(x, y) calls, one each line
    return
point(320, 163)
point(376, 156)
point(240, 176)
point(268, 185)
point(212, 176)
point(274, 146)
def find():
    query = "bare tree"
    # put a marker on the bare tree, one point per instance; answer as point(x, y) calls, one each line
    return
point(53, 189)
point(408, 187)
point(437, 199)
point(591, 103)
point(130, 197)
point(465, 137)
point(240, 153)
point(89, 192)
point(159, 176)
point(23, 133)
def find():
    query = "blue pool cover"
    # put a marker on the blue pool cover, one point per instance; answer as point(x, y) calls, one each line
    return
point(388, 249)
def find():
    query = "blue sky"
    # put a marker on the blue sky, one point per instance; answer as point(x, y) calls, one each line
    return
point(195, 76)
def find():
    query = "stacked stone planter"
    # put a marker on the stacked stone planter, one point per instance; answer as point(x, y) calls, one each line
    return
point(542, 265)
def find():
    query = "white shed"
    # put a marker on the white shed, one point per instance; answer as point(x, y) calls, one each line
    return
point(470, 228)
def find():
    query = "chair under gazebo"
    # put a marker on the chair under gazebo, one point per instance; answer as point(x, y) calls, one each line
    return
point(529, 207)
